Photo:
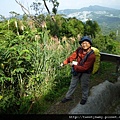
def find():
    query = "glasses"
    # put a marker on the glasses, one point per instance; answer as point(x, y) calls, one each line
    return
point(85, 42)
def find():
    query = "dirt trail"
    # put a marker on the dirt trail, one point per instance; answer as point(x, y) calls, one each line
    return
point(64, 108)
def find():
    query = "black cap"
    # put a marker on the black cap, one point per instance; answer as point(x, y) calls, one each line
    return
point(85, 38)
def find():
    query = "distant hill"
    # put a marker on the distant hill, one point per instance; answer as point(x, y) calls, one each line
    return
point(107, 18)
point(96, 8)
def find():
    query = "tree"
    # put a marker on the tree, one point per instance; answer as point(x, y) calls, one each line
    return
point(2, 18)
point(91, 28)
point(36, 7)
point(104, 43)
point(14, 14)
point(112, 35)
point(74, 27)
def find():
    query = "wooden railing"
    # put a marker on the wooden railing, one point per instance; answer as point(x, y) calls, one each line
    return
point(111, 58)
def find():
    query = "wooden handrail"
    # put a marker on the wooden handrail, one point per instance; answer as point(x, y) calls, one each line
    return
point(111, 58)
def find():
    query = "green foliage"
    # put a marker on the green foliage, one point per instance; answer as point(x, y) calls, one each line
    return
point(28, 68)
point(105, 44)
point(8, 102)
point(91, 28)
point(74, 27)
point(71, 27)
point(29, 74)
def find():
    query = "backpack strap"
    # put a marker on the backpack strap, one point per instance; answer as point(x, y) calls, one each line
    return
point(85, 57)
point(78, 52)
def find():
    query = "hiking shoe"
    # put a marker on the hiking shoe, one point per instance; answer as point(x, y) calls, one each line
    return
point(64, 100)
point(82, 102)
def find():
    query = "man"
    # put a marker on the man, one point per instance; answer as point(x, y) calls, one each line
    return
point(81, 69)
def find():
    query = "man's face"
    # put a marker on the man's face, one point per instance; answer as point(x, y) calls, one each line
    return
point(85, 45)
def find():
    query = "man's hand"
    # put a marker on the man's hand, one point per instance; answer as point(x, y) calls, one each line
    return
point(73, 63)
point(61, 65)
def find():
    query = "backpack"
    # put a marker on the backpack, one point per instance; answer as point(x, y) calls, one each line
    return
point(97, 59)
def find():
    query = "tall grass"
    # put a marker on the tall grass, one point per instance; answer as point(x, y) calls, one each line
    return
point(29, 71)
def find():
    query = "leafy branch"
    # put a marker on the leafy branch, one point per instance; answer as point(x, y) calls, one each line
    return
point(54, 10)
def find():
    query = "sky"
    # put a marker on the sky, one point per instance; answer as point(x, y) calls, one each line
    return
point(7, 6)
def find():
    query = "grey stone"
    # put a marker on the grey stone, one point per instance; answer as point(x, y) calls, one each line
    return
point(101, 97)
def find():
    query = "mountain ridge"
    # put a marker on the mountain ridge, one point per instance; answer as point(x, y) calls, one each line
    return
point(92, 7)
point(97, 7)
point(108, 18)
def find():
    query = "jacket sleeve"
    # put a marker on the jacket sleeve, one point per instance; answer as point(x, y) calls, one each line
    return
point(72, 57)
point(87, 65)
